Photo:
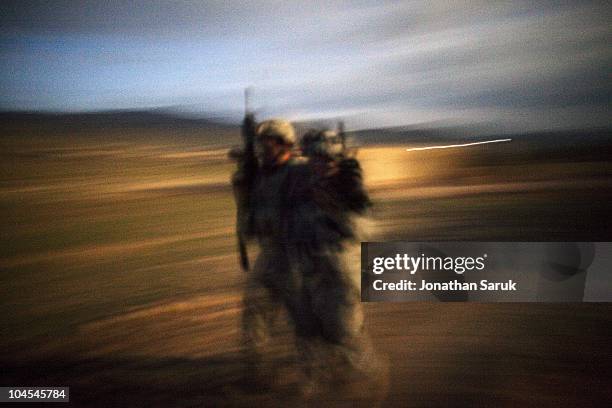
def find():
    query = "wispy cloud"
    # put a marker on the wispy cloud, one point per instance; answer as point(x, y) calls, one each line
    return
point(519, 64)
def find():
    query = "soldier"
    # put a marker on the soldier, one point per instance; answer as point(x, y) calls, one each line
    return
point(299, 211)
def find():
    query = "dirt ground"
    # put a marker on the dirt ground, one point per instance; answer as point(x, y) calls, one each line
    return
point(119, 277)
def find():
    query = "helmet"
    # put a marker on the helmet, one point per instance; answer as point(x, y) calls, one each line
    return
point(276, 128)
point(321, 143)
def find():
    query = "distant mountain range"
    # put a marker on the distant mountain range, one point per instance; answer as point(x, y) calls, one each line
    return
point(118, 118)
point(161, 118)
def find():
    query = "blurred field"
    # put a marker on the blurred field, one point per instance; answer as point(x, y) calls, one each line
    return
point(119, 276)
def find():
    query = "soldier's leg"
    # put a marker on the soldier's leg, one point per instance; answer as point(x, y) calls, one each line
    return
point(336, 303)
point(307, 330)
point(259, 312)
point(309, 346)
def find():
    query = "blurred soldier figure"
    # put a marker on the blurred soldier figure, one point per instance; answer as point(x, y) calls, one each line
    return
point(322, 143)
point(299, 211)
point(338, 191)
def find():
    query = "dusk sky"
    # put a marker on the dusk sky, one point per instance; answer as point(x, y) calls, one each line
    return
point(517, 65)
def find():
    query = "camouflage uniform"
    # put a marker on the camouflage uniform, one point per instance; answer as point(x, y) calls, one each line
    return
point(302, 222)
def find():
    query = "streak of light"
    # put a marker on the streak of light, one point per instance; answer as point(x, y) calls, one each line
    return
point(458, 145)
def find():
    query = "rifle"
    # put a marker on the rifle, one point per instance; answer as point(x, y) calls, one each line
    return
point(248, 170)
point(342, 136)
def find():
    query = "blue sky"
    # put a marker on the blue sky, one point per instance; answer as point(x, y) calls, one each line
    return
point(514, 65)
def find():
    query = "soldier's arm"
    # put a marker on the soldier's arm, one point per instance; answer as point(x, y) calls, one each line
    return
point(349, 182)
point(340, 186)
